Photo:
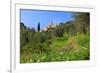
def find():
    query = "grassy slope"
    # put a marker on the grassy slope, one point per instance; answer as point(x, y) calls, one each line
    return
point(62, 49)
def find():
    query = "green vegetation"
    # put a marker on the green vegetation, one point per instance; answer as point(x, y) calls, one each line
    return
point(67, 41)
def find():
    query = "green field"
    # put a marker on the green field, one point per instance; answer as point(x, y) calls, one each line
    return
point(61, 49)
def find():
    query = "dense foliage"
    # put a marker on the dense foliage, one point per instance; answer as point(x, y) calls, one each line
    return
point(68, 41)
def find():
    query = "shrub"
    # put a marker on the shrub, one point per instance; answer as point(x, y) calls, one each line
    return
point(71, 45)
point(25, 57)
point(83, 40)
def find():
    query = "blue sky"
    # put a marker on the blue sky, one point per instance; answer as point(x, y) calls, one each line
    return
point(31, 17)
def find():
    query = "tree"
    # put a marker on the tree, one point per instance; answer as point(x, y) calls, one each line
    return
point(22, 26)
point(59, 30)
point(69, 27)
point(23, 36)
point(38, 27)
point(82, 22)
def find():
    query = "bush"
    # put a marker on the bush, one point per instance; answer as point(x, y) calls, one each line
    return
point(25, 57)
point(83, 40)
point(59, 31)
point(71, 44)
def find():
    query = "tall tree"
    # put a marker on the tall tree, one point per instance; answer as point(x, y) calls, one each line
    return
point(38, 27)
